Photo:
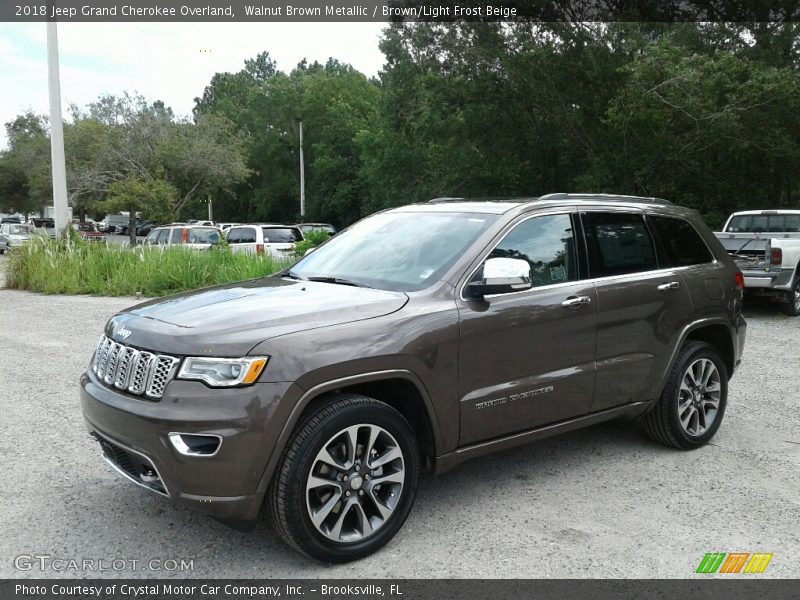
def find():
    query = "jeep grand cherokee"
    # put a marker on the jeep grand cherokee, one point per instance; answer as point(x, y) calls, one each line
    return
point(415, 339)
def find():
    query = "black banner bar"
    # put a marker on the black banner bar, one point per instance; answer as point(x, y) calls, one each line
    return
point(397, 10)
point(734, 587)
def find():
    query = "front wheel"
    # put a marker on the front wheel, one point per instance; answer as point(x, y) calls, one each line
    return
point(347, 480)
point(792, 307)
point(691, 407)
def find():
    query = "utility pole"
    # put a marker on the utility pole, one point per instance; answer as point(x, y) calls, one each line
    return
point(210, 212)
point(302, 171)
point(56, 132)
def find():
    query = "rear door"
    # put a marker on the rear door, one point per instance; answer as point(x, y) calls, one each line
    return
point(640, 305)
point(242, 239)
point(527, 358)
point(682, 247)
point(279, 241)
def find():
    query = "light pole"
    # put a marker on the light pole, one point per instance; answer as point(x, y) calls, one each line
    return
point(56, 132)
point(302, 170)
point(210, 211)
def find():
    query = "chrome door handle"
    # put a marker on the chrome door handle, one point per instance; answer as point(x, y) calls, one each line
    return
point(672, 285)
point(575, 301)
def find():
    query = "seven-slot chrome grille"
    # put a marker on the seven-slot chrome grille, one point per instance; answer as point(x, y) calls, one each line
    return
point(136, 371)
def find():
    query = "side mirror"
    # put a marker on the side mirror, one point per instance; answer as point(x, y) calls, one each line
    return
point(502, 276)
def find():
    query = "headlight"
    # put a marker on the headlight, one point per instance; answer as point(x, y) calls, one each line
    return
point(223, 372)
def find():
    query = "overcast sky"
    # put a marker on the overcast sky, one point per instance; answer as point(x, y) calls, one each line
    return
point(169, 62)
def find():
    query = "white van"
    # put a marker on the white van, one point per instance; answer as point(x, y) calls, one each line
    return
point(276, 241)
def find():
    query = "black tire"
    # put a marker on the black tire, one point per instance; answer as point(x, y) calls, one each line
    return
point(287, 508)
point(792, 307)
point(663, 423)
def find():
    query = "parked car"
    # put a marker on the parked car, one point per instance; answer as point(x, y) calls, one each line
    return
point(88, 232)
point(276, 241)
point(44, 226)
point(197, 237)
point(13, 235)
point(10, 220)
point(765, 245)
point(198, 222)
point(309, 227)
point(145, 227)
point(418, 338)
point(110, 223)
point(224, 226)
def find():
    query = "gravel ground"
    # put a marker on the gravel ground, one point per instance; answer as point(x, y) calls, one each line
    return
point(602, 502)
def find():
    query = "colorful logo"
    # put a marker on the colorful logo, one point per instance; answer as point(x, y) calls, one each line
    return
point(734, 562)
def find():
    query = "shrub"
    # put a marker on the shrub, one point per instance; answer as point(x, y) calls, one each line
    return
point(79, 267)
point(312, 240)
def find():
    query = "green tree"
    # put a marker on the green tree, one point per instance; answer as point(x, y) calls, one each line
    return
point(153, 199)
point(29, 154)
point(336, 103)
point(14, 192)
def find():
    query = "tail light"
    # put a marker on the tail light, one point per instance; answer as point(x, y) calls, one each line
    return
point(740, 281)
point(260, 249)
point(775, 257)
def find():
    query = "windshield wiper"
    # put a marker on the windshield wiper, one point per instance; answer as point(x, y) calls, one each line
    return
point(292, 275)
point(339, 280)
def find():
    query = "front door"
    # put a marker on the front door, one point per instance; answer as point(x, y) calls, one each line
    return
point(527, 358)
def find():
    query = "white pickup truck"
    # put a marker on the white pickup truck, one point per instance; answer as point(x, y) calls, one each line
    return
point(766, 247)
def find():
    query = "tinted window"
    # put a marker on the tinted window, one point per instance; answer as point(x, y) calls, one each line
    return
point(198, 235)
point(764, 224)
point(682, 245)
point(247, 235)
point(234, 235)
point(151, 239)
point(618, 243)
point(548, 245)
point(175, 237)
point(163, 236)
point(281, 235)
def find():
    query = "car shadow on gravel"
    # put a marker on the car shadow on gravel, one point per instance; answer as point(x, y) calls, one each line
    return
point(139, 524)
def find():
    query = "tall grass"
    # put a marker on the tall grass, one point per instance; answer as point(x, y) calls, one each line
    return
point(78, 267)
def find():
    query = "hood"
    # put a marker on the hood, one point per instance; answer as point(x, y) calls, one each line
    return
point(229, 320)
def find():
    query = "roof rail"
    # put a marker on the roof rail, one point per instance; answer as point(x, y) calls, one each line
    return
point(611, 197)
point(445, 199)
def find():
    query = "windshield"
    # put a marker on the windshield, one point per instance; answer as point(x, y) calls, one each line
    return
point(764, 224)
point(396, 251)
point(19, 229)
point(281, 235)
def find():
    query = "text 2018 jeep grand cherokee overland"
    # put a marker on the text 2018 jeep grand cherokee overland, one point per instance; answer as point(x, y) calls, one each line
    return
point(415, 339)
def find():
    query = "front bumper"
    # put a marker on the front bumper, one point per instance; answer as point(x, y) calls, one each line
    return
point(230, 484)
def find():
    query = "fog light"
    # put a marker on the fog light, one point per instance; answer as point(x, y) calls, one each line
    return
point(196, 444)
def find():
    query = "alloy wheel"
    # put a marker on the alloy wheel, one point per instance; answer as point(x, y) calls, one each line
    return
point(796, 297)
point(699, 397)
point(355, 483)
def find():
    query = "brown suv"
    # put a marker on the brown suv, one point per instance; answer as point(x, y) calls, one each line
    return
point(416, 339)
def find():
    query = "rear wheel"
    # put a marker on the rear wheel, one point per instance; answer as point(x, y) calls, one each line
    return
point(792, 307)
point(347, 480)
point(691, 407)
